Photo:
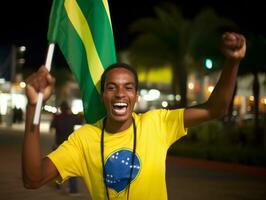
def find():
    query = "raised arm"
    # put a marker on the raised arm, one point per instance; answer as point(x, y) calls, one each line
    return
point(36, 170)
point(233, 46)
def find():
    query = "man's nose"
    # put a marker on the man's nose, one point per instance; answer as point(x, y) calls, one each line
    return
point(120, 92)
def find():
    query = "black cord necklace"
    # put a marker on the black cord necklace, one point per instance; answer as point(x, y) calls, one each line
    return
point(132, 158)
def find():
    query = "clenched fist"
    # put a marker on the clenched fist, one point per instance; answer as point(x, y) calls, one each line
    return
point(233, 46)
point(41, 81)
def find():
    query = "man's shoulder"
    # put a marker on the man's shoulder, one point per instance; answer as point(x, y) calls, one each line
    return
point(88, 127)
point(155, 113)
point(86, 130)
point(146, 115)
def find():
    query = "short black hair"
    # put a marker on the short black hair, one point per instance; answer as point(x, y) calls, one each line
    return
point(119, 65)
point(64, 106)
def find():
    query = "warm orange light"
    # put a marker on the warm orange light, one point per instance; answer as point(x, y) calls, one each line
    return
point(210, 89)
point(251, 98)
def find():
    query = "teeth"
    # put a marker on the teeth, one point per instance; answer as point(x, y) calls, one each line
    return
point(120, 108)
point(120, 104)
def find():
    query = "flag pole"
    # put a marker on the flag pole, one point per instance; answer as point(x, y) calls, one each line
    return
point(48, 63)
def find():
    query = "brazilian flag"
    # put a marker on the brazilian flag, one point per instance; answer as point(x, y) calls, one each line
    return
point(83, 31)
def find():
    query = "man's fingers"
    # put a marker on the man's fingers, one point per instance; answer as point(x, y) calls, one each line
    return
point(40, 79)
point(233, 41)
point(48, 89)
point(43, 69)
point(233, 45)
point(239, 42)
point(31, 93)
point(228, 36)
point(50, 79)
point(242, 41)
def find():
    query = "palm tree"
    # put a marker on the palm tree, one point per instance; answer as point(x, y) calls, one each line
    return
point(205, 33)
point(159, 43)
point(170, 39)
point(254, 63)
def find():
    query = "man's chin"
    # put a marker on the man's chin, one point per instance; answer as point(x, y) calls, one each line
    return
point(119, 118)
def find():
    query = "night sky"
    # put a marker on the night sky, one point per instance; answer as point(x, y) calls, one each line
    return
point(26, 22)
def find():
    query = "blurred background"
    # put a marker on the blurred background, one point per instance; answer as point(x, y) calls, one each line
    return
point(174, 45)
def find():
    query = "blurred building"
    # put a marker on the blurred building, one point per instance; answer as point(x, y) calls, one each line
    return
point(155, 89)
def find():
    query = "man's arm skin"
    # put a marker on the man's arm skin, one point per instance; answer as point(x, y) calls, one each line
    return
point(36, 171)
point(233, 46)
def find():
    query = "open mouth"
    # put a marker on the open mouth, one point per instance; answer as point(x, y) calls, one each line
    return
point(120, 108)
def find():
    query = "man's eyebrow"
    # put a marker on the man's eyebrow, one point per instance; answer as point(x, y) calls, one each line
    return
point(126, 83)
point(130, 83)
point(110, 83)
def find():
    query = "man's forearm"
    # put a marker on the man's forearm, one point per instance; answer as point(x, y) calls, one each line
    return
point(221, 96)
point(31, 155)
point(233, 47)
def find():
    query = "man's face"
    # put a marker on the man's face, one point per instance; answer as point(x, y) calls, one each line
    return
point(119, 95)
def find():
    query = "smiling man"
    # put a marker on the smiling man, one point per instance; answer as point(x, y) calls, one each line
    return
point(119, 86)
point(123, 155)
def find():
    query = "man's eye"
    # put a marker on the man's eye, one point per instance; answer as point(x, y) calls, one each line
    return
point(129, 88)
point(110, 88)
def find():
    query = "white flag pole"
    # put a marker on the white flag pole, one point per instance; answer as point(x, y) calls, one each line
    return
point(48, 63)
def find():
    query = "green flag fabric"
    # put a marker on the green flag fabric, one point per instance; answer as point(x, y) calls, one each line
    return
point(83, 31)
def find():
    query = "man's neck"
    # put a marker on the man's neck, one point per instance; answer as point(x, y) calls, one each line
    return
point(112, 126)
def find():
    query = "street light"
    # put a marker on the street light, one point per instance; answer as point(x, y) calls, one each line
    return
point(22, 49)
point(208, 63)
point(17, 61)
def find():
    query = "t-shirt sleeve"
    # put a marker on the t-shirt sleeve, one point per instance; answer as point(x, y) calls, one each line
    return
point(68, 158)
point(173, 125)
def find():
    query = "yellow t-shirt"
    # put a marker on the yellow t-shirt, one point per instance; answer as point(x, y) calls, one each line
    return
point(80, 156)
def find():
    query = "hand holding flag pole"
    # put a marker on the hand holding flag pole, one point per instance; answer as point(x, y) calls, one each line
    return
point(48, 63)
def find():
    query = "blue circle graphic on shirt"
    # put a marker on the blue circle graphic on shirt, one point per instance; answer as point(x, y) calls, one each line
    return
point(117, 168)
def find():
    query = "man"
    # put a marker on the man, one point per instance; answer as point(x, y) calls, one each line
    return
point(127, 149)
